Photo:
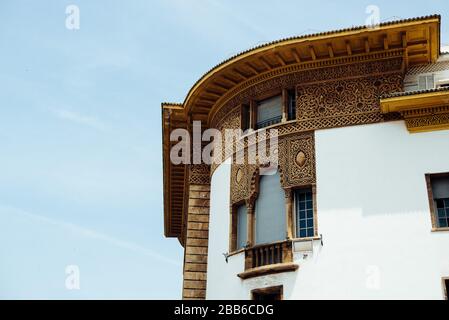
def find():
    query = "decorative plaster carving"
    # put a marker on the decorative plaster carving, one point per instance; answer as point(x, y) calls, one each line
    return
point(293, 173)
point(199, 174)
point(326, 98)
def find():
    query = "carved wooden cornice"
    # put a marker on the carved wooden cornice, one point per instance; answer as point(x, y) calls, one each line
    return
point(331, 97)
point(418, 39)
point(422, 111)
point(384, 52)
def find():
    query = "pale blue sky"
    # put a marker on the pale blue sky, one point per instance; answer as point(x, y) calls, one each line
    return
point(80, 135)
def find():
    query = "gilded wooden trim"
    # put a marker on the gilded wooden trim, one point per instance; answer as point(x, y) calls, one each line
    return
point(422, 111)
point(335, 97)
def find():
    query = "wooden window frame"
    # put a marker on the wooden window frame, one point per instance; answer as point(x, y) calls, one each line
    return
point(269, 290)
point(242, 117)
point(252, 106)
point(233, 230)
point(315, 216)
point(445, 288)
point(433, 211)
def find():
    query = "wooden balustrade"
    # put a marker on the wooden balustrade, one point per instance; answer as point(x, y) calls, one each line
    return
point(268, 254)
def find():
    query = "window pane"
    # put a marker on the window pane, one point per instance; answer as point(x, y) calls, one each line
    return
point(441, 213)
point(241, 226)
point(442, 223)
point(270, 210)
point(309, 205)
point(309, 213)
point(310, 232)
point(440, 188)
point(269, 112)
point(245, 117)
point(422, 82)
point(304, 213)
point(430, 82)
point(291, 104)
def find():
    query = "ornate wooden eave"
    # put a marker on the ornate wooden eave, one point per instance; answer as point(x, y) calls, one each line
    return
point(422, 111)
point(418, 38)
point(416, 41)
point(174, 175)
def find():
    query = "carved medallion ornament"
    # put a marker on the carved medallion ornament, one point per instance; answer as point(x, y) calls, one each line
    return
point(241, 182)
point(297, 160)
point(296, 164)
point(300, 159)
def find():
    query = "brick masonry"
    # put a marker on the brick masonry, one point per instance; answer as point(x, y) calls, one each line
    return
point(195, 254)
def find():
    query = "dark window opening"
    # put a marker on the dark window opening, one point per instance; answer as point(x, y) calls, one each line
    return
point(446, 288)
point(304, 213)
point(268, 294)
point(291, 104)
point(246, 116)
point(440, 192)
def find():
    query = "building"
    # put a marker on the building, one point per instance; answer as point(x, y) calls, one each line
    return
point(359, 205)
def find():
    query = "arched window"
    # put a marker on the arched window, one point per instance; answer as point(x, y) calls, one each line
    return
point(270, 210)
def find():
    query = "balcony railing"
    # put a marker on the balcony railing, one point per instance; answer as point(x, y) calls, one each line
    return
point(268, 122)
point(268, 254)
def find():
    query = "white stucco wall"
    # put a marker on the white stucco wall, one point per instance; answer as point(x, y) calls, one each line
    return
point(373, 213)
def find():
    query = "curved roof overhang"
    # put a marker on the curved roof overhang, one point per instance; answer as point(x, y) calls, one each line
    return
point(417, 40)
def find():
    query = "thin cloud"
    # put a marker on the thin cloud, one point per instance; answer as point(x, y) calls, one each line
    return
point(79, 119)
point(90, 233)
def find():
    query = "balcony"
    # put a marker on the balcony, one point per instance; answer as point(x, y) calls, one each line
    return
point(268, 259)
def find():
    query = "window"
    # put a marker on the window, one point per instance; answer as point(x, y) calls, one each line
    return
point(268, 294)
point(269, 112)
point(291, 95)
point(446, 288)
point(246, 116)
point(423, 82)
point(438, 188)
point(304, 213)
point(426, 82)
point(241, 226)
point(270, 210)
